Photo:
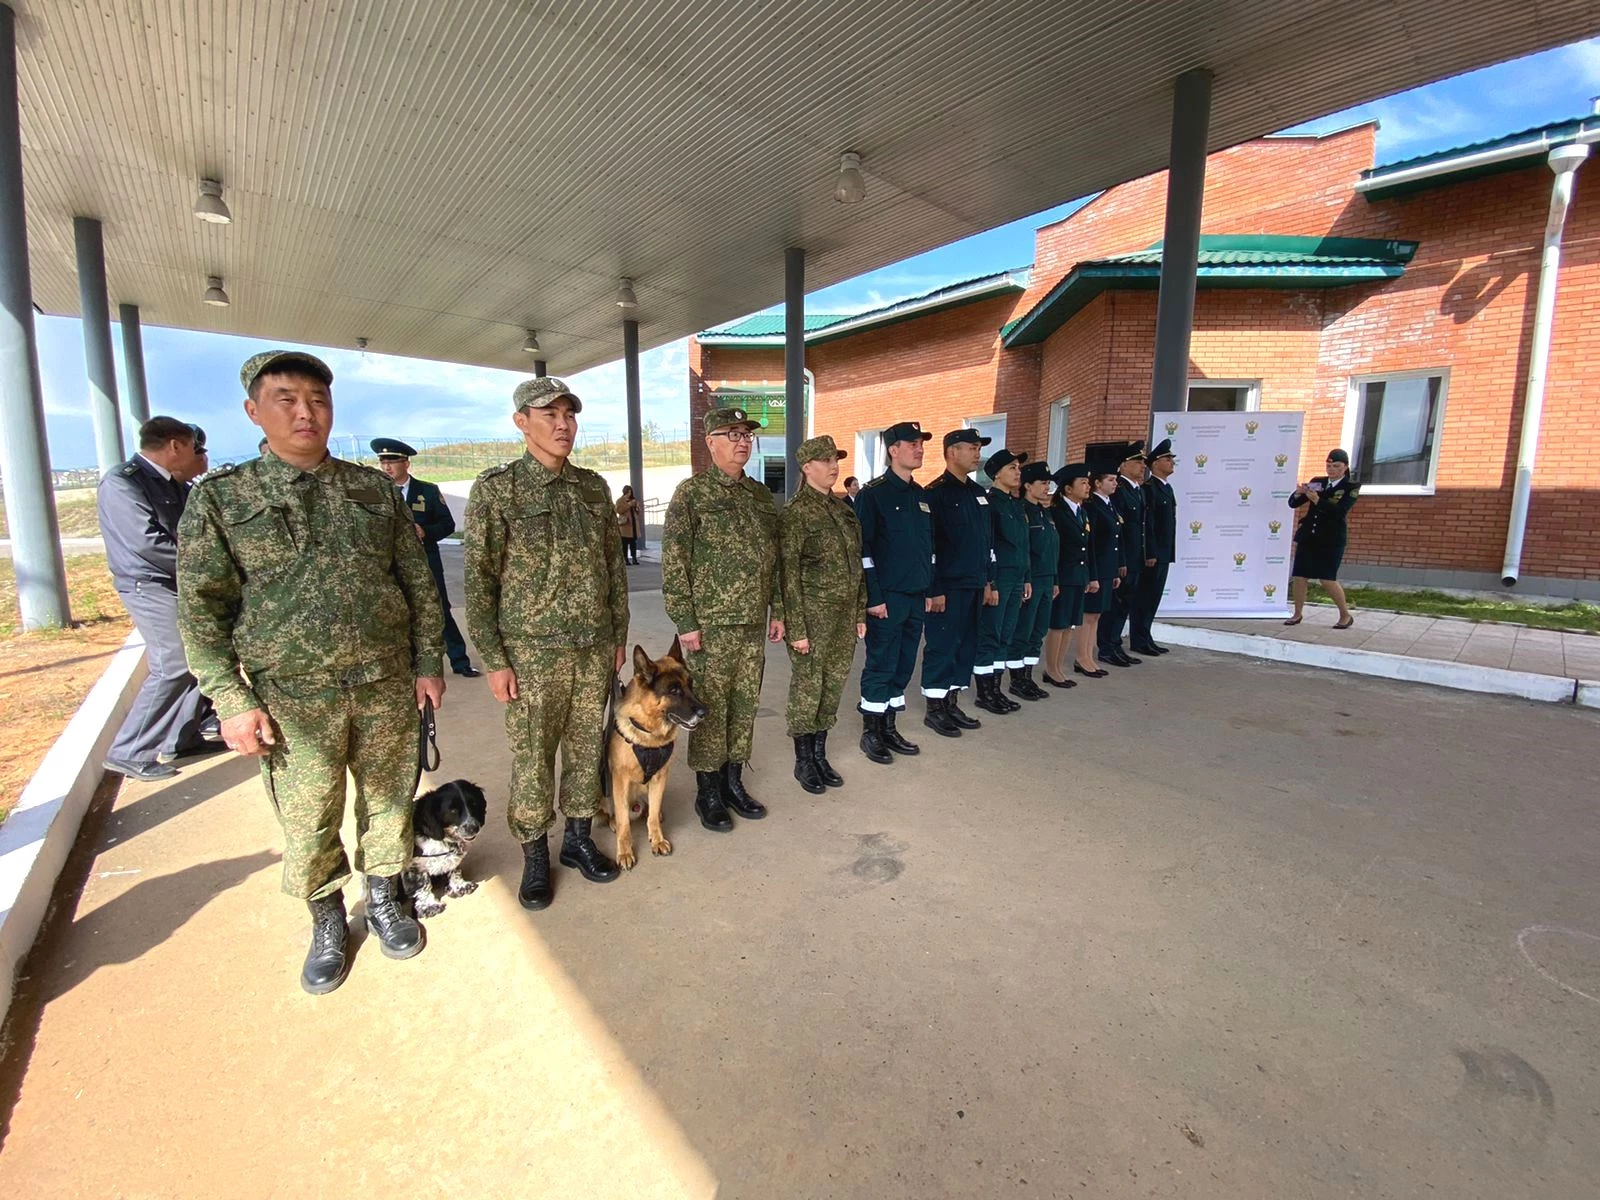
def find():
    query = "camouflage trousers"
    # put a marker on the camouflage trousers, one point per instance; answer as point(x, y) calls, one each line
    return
point(369, 729)
point(817, 679)
point(561, 702)
point(727, 673)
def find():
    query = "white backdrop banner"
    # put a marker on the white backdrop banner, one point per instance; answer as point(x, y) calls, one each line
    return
point(1235, 473)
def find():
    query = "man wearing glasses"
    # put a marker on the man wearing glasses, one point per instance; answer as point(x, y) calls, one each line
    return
point(720, 584)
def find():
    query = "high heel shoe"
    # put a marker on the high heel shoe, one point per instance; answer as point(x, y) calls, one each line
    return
point(1058, 683)
point(1294, 620)
point(1097, 673)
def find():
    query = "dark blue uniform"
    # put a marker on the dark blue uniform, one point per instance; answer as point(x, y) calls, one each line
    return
point(1105, 553)
point(139, 510)
point(1128, 500)
point(434, 518)
point(1161, 544)
point(963, 565)
point(998, 623)
point(897, 559)
point(1320, 539)
point(1072, 563)
point(1044, 553)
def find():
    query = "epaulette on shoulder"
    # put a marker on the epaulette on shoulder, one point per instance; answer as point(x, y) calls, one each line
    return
point(493, 471)
point(219, 472)
point(363, 469)
point(875, 481)
point(130, 469)
point(942, 481)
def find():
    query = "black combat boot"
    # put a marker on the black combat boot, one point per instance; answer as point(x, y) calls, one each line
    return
point(734, 795)
point(893, 739)
point(1022, 684)
point(952, 707)
point(872, 744)
point(1006, 703)
point(578, 850)
point(819, 755)
point(937, 718)
point(989, 696)
point(327, 962)
point(535, 892)
point(397, 931)
point(805, 764)
point(708, 803)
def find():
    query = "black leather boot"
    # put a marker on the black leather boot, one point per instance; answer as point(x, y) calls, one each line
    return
point(397, 931)
point(893, 739)
point(736, 798)
point(805, 764)
point(578, 850)
point(937, 718)
point(535, 892)
point(1022, 684)
point(952, 708)
point(708, 805)
point(989, 696)
point(327, 962)
point(819, 755)
point(872, 744)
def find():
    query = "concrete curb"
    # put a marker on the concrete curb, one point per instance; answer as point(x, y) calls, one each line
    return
point(1588, 695)
point(36, 838)
point(1551, 689)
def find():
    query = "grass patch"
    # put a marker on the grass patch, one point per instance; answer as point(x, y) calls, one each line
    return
point(467, 460)
point(1575, 616)
point(75, 514)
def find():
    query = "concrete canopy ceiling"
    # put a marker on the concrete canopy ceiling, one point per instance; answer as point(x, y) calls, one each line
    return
point(437, 177)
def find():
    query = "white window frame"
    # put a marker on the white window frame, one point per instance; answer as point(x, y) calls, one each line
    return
point(1350, 434)
point(1060, 416)
point(872, 459)
point(1252, 390)
point(985, 424)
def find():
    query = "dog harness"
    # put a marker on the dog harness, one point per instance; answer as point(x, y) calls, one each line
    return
point(651, 758)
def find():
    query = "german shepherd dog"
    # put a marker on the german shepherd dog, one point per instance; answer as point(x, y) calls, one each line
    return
point(645, 719)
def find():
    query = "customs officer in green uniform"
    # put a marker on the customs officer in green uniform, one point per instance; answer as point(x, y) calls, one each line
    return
point(309, 617)
point(997, 623)
point(825, 599)
point(547, 607)
point(720, 583)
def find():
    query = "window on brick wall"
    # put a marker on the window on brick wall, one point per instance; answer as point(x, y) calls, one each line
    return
point(1224, 395)
point(1391, 429)
point(1056, 447)
point(871, 459)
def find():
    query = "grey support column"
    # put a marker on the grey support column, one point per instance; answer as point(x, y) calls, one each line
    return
point(540, 368)
point(96, 312)
point(133, 364)
point(1186, 185)
point(630, 367)
point(794, 364)
point(24, 452)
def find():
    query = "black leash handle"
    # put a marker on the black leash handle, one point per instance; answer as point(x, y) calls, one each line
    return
point(427, 740)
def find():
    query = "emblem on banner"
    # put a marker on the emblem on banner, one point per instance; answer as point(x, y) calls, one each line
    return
point(1244, 493)
point(1238, 559)
point(1250, 428)
point(1200, 461)
point(1172, 428)
point(1280, 460)
point(1271, 589)
point(1195, 527)
point(1189, 589)
point(1273, 527)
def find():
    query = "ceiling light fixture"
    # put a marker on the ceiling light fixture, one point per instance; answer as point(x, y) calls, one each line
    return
point(361, 343)
point(210, 207)
point(852, 187)
point(215, 296)
point(531, 343)
point(625, 298)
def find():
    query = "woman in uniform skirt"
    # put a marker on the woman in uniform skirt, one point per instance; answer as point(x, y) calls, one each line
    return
point(1105, 565)
point(1072, 571)
point(1319, 540)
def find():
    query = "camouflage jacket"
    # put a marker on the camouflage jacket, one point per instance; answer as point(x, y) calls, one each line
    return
point(543, 561)
point(284, 572)
point(719, 553)
point(821, 547)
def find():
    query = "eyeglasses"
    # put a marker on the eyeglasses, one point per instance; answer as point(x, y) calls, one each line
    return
point(741, 436)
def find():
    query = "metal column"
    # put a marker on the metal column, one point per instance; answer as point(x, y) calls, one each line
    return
point(24, 452)
point(133, 364)
point(1180, 247)
point(540, 368)
point(96, 312)
point(630, 365)
point(794, 364)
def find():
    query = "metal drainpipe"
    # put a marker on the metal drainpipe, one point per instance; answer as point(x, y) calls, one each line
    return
point(1564, 161)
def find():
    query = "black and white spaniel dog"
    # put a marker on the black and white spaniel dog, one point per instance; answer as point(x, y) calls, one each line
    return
point(444, 823)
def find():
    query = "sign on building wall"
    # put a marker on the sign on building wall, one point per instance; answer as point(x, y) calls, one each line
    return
point(764, 404)
point(1234, 475)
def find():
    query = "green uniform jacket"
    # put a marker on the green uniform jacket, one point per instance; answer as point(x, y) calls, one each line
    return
point(1044, 543)
point(1009, 521)
point(821, 547)
point(719, 553)
point(543, 561)
point(285, 572)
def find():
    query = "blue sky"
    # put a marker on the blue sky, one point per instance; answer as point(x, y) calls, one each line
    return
point(381, 394)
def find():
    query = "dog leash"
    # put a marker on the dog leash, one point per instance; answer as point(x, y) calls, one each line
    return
point(427, 740)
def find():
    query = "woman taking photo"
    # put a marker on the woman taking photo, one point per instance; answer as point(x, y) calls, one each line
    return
point(1320, 538)
point(1105, 569)
point(628, 517)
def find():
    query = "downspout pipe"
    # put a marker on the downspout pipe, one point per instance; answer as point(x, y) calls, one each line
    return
point(1564, 161)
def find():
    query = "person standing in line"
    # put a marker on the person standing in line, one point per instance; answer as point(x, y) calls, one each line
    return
point(1128, 500)
point(825, 600)
point(140, 503)
point(897, 562)
point(852, 486)
point(1105, 568)
point(1044, 552)
point(997, 623)
point(547, 605)
point(629, 518)
point(1160, 546)
point(963, 582)
point(434, 522)
point(310, 618)
point(721, 586)
point(1320, 538)
point(1072, 575)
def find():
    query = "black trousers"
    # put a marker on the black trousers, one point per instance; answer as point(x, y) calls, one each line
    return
point(455, 646)
point(630, 549)
point(1152, 582)
point(167, 712)
point(952, 642)
point(892, 644)
point(1115, 619)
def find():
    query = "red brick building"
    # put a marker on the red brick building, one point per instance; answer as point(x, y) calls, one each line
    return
point(1393, 305)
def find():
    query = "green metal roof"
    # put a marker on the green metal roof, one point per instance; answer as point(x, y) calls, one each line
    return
point(767, 325)
point(1229, 260)
point(1509, 152)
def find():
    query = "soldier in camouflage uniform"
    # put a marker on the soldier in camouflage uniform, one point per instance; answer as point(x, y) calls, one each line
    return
point(547, 607)
point(310, 618)
point(825, 600)
point(719, 579)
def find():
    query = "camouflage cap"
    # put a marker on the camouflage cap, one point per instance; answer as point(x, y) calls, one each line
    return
point(542, 392)
point(726, 418)
point(818, 449)
point(258, 365)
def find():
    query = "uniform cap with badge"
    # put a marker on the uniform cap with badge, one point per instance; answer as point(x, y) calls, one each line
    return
point(999, 460)
point(542, 392)
point(1065, 476)
point(970, 436)
point(269, 361)
point(905, 431)
point(1035, 472)
point(199, 438)
point(719, 419)
point(1106, 458)
point(1162, 449)
point(818, 449)
point(391, 449)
